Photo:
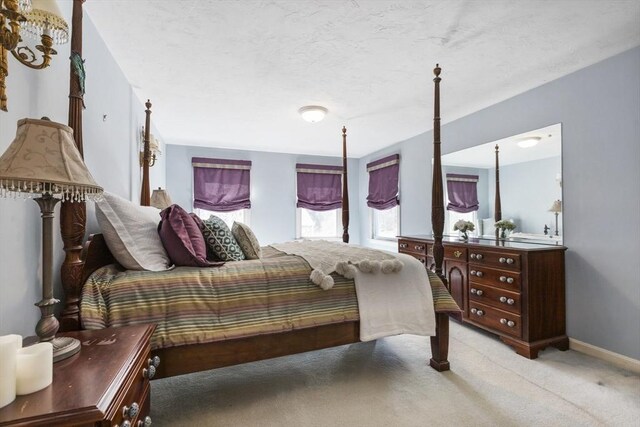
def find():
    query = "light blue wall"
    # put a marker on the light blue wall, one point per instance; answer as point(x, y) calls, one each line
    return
point(110, 153)
point(599, 108)
point(527, 191)
point(273, 187)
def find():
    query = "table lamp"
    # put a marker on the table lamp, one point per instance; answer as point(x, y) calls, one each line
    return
point(43, 164)
point(160, 199)
point(556, 208)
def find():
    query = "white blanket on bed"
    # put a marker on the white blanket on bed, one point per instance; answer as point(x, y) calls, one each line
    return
point(389, 304)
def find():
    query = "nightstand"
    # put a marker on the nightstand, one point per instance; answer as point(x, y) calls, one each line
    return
point(105, 384)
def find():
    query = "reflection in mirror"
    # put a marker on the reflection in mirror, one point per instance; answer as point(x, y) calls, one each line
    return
point(530, 186)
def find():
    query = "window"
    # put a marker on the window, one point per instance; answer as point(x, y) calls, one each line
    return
point(319, 192)
point(385, 225)
point(221, 185)
point(383, 197)
point(452, 217)
point(241, 215)
point(318, 224)
point(462, 201)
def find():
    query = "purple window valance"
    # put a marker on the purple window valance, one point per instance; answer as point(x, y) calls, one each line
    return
point(463, 192)
point(221, 185)
point(383, 182)
point(319, 187)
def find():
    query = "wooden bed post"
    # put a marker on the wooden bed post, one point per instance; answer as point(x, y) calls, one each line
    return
point(439, 342)
point(498, 206)
point(345, 189)
point(145, 192)
point(73, 215)
point(437, 195)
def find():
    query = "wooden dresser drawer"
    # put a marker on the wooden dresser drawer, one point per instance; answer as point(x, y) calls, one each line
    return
point(506, 260)
point(493, 318)
point(137, 393)
point(455, 253)
point(503, 279)
point(412, 247)
point(498, 298)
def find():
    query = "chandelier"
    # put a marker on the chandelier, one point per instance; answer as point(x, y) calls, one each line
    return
point(39, 19)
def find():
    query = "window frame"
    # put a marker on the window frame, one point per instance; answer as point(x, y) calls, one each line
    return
point(246, 216)
point(372, 226)
point(299, 235)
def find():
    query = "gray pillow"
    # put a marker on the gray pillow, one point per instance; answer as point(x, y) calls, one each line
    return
point(220, 241)
point(247, 240)
point(131, 233)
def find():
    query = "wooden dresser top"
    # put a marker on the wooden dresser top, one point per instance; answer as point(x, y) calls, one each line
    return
point(491, 243)
point(85, 384)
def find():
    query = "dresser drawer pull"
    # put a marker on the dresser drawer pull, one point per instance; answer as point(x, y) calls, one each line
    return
point(502, 260)
point(457, 254)
point(155, 361)
point(479, 274)
point(503, 299)
point(477, 312)
point(510, 280)
point(503, 321)
point(149, 372)
point(511, 323)
point(472, 272)
point(479, 256)
point(131, 411)
point(472, 256)
point(419, 247)
point(480, 292)
point(510, 261)
point(473, 290)
point(146, 422)
point(503, 278)
point(403, 245)
point(511, 301)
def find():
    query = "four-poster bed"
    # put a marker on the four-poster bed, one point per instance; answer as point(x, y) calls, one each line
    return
point(196, 357)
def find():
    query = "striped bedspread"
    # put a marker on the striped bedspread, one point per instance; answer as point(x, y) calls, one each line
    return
point(245, 298)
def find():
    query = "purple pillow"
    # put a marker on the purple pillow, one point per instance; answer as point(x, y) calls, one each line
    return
point(182, 239)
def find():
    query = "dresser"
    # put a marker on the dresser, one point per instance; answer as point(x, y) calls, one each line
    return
point(105, 384)
point(513, 289)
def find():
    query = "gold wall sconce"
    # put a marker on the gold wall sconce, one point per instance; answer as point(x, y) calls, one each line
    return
point(40, 19)
point(154, 149)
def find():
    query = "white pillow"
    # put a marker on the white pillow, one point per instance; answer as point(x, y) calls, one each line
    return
point(131, 232)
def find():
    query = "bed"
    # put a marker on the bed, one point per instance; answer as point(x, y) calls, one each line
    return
point(85, 258)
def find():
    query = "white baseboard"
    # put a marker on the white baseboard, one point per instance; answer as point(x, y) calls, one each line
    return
point(619, 360)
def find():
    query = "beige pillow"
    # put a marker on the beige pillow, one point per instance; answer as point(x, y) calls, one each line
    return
point(131, 232)
point(247, 240)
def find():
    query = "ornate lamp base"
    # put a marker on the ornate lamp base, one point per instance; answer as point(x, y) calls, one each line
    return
point(64, 347)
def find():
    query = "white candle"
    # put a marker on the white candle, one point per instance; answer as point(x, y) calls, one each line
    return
point(34, 370)
point(9, 346)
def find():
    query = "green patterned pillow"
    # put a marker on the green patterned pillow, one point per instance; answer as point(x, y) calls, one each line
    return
point(220, 241)
point(247, 240)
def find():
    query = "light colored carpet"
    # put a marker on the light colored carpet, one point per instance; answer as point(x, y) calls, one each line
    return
point(388, 383)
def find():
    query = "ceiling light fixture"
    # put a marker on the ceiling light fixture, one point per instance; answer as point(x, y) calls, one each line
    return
point(313, 113)
point(529, 141)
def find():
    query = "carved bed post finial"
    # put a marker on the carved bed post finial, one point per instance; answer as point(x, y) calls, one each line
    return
point(345, 189)
point(498, 206)
point(145, 191)
point(73, 215)
point(437, 195)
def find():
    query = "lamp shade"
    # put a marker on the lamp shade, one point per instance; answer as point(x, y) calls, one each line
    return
point(45, 17)
point(43, 159)
point(160, 199)
point(556, 207)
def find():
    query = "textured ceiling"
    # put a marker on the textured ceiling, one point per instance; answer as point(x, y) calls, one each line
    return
point(234, 73)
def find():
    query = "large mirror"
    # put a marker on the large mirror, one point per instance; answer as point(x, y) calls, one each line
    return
point(530, 186)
